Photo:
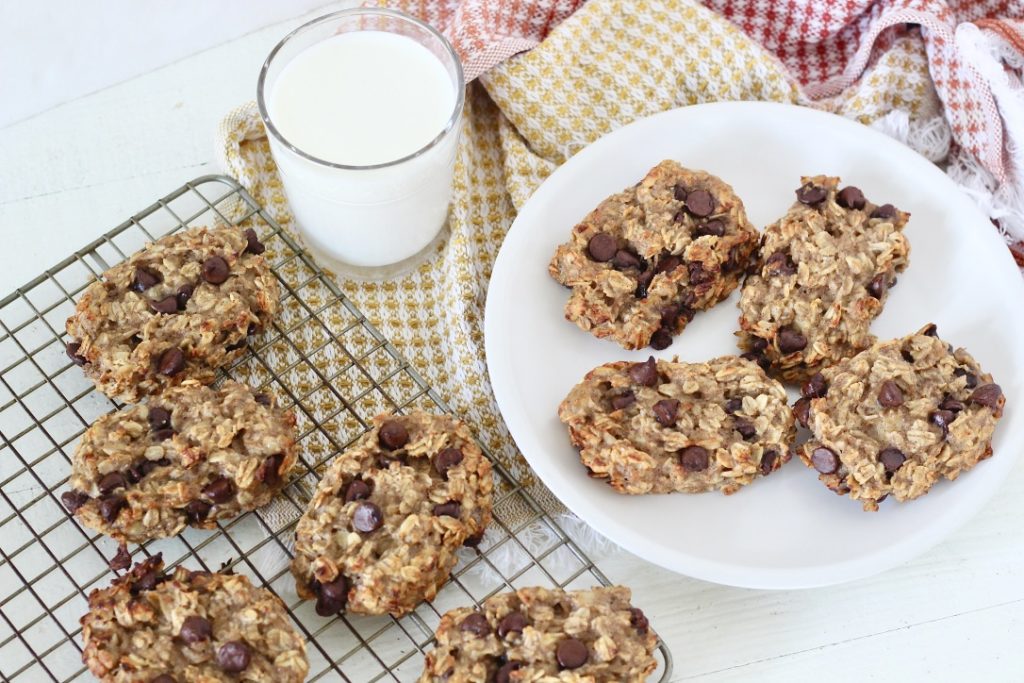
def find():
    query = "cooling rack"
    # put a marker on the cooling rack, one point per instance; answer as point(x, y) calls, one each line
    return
point(323, 359)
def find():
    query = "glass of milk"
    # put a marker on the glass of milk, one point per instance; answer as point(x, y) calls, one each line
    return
point(363, 109)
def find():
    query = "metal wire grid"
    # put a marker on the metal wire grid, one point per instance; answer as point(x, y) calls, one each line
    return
point(322, 358)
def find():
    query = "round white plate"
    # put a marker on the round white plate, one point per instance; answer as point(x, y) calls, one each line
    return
point(788, 530)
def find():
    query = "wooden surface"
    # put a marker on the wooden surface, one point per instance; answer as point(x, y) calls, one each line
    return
point(953, 614)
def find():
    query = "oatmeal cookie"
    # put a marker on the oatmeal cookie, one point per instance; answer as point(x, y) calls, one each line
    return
point(646, 259)
point(538, 634)
point(894, 419)
point(382, 530)
point(189, 627)
point(191, 456)
point(179, 309)
point(661, 426)
point(824, 272)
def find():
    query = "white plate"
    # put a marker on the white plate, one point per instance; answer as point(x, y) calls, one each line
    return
point(786, 531)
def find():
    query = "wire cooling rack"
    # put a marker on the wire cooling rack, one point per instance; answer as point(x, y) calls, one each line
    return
point(324, 360)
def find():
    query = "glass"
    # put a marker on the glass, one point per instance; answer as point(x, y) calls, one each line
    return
point(379, 220)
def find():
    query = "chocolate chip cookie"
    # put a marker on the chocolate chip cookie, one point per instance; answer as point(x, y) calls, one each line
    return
point(647, 259)
point(153, 627)
point(824, 272)
point(382, 530)
point(191, 456)
point(897, 417)
point(660, 426)
point(537, 634)
point(179, 309)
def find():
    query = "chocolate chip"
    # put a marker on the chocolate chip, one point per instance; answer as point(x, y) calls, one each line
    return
point(790, 341)
point(971, 378)
point(624, 400)
point(930, 330)
point(367, 518)
point(661, 339)
point(700, 203)
point(197, 511)
point(447, 459)
point(802, 411)
point(824, 460)
point(907, 356)
point(891, 458)
point(219, 490)
point(811, 194)
point(746, 428)
point(263, 399)
point(74, 499)
point(734, 405)
point(167, 305)
point(624, 259)
point(571, 653)
point(878, 285)
point(694, 458)
point(110, 507)
point(758, 345)
point(638, 620)
point(172, 361)
point(215, 270)
point(850, 197)
point(195, 629)
point(476, 624)
point(357, 490)
point(697, 274)
point(164, 678)
point(111, 482)
point(768, 461)
point(815, 387)
point(667, 263)
point(884, 211)
point(147, 581)
point(679, 193)
point(270, 470)
point(754, 357)
point(643, 281)
point(780, 263)
point(602, 247)
point(713, 227)
point(393, 435)
point(665, 411)
point(679, 216)
point(72, 350)
point(951, 404)
point(252, 243)
point(159, 418)
point(890, 395)
point(942, 419)
point(183, 295)
point(645, 374)
point(331, 596)
point(163, 434)
point(122, 559)
point(234, 656)
point(449, 509)
point(144, 279)
point(987, 395)
point(138, 470)
point(513, 622)
point(474, 540)
point(504, 674)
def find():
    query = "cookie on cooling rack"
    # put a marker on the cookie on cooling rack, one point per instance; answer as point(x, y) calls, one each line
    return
point(646, 259)
point(176, 310)
point(152, 627)
point(538, 634)
point(191, 456)
point(660, 426)
point(896, 418)
point(381, 532)
point(824, 274)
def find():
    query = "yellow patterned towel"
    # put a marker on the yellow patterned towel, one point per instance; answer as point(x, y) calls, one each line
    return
point(609, 63)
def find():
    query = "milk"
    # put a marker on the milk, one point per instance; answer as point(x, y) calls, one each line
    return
point(363, 127)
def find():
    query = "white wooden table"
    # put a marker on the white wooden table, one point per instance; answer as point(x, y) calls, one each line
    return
point(955, 613)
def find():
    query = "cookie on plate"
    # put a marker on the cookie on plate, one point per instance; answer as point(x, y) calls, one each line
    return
point(539, 634)
point(382, 530)
point(896, 418)
point(189, 457)
point(646, 259)
point(176, 310)
point(660, 426)
point(153, 627)
point(824, 274)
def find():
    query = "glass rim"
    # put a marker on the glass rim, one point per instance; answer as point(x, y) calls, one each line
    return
point(460, 95)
